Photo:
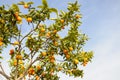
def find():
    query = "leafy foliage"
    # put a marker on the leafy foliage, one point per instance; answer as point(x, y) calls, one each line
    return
point(36, 54)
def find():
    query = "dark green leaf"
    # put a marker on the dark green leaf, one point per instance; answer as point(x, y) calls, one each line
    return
point(21, 3)
point(44, 2)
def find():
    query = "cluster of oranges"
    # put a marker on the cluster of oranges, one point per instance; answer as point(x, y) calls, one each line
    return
point(31, 71)
point(66, 52)
point(68, 55)
point(52, 59)
point(85, 62)
point(19, 18)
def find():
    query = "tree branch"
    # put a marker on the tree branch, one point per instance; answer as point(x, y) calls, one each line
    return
point(5, 75)
point(30, 31)
point(25, 72)
point(3, 72)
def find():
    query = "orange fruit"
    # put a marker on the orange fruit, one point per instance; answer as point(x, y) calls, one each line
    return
point(65, 51)
point(48, 34)
point(16, 14)
point(26, 6)
point(29, 19)
point(20, 62)
point(85, 59)
point(37, 77)
point(42, 29)
point(22, 67)
point(19, 18)
point(38, 67)
point(18, 56)
point(77, 16)
point(44, 53)
point(21, 75)
point(16, 43)
point(31, 71)
point(62, 21)
point(55, 43)
point(52, 57)
point(1, 43)
point(67, 56)
point(15, 62)
point(84, 63)
point(52, 60)
point(55, 31)
point(11, 51)
point(76, 61)
point(2, 21)
point(70, 48)
point(59, 69)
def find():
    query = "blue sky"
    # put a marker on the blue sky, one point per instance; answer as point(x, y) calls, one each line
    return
point(101, 22)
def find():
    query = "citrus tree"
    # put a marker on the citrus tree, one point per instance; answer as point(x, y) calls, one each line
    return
point(40, 53)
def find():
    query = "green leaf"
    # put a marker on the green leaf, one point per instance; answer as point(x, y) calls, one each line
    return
point(39, 6)
point(1, 57)
point(53, 10)
point(21, 3)
point(15, 7)
point(44, 2)
point(29, 3)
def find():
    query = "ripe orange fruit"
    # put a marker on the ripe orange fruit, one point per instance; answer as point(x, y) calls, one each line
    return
point(18, 56)
point(37, 77)
point(15, 62)
point(11, 51)
point(16, 43)
point(77, 16)
point(16, 14)
point(44, 53)
point(62, 21)
point(84, 63)
point(76, 61)
point(48, 34)
point(52, 57)
point(20, 62)
point(29, 19)
point(21, 75)
point(22, 67)
point(85, 59)
point(31, 71)
point(70, 48)
point(59, 69)
point(38, 67)
point(55, 43)
point(1, 43)
point(55, 31)
point(42, 29)
point(2, 21)
point(52, 60)
point(19, 18)
point(26, 6)
point(67, 56)
point(65, 51)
